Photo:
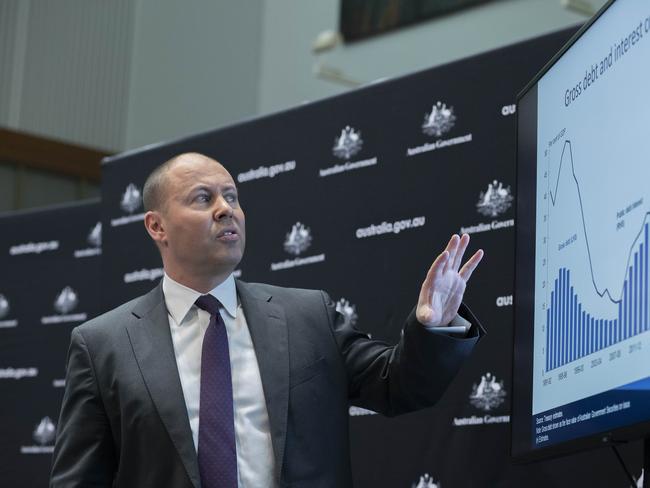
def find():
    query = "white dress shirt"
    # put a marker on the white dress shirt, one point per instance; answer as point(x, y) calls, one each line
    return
point(188, 323)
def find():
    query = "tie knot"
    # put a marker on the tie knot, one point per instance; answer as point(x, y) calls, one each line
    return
point(208, 303)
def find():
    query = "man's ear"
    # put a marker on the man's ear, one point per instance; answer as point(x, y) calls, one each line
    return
point(154, 225)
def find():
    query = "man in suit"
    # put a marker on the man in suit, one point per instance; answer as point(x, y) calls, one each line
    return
point(211, 382)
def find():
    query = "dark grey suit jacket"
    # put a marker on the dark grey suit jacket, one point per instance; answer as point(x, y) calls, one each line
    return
point(124, 422)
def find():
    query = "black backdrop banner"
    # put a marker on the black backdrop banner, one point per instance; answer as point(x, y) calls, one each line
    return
point(50, 283)
point(355, 194)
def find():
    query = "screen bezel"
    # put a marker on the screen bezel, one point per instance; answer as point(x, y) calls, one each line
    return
point(521, 399)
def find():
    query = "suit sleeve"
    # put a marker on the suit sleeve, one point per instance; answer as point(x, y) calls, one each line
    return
point(84, 453)
point(410, 375)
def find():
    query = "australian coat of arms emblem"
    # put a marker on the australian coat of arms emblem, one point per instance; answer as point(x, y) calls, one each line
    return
point(488, 394)
point(131, 199)
point(298, 239)
point(495, 200)
point(348, 143)
point(439, 121)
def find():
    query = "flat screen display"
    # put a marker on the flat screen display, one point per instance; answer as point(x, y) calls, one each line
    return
point(582, 321)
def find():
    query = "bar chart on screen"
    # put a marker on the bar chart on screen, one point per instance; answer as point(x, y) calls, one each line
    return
point(592, 309)
point(572, 332)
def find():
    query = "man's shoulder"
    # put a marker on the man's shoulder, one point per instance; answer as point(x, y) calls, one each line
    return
point(268, 291)
point(107, 321)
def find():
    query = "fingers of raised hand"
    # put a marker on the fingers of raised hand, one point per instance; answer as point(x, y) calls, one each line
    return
point(460, 251)
point(471, 264)
point(452, 248)
point(436, 268)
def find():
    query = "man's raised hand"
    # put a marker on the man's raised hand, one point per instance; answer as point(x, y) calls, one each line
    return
point(444, 285)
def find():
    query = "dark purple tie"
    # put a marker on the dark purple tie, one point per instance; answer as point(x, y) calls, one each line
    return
point(217, 449)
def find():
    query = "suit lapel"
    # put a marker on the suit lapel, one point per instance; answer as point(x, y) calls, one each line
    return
point(154, 351)
point(268, 329)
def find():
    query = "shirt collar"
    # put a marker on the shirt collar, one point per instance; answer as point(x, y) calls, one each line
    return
point(180, 299)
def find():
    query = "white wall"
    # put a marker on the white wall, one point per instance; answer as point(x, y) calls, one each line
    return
point(195, 66)
point(290, 26)
point(9, 27)
point(121, 74)
point(64, 69)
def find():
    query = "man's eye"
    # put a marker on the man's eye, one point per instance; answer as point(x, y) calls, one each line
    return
point(203, 197)
point(231, 198)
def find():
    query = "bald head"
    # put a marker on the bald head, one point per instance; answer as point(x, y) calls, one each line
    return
point(154, 193)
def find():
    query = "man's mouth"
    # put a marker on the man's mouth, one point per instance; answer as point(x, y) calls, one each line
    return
point(228, 235)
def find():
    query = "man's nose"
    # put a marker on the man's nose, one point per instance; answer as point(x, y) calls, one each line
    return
point(223, 209)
